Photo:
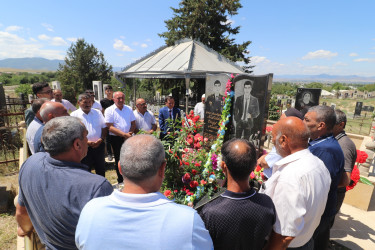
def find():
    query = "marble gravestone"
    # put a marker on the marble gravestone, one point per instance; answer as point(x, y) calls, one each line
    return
point(249, 110)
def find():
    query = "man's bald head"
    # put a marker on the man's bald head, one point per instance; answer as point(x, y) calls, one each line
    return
point(239, 155)
point(51, 110)
point(290, 135)
point(57, 94)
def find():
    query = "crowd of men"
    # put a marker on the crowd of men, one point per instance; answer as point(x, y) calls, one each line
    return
point(69, 207)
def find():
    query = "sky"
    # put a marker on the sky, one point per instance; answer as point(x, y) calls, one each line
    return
point(289, 37)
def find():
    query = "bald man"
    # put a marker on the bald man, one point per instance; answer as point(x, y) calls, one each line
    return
point(58, 97)
point(298, 187)
point(144, 119)
point(48, 111)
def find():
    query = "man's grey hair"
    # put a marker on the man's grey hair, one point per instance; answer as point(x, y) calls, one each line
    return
point(46, 110)
point(141, 157)
point(324, 114)
point(340, 117)
point(83, 96)
point(37, 103)
point(59, 134)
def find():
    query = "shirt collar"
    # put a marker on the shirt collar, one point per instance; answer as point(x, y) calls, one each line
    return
point(320, 139)
point(290, 158)
point(238, 196)
point(37, 120)
point(83, 113)
point(140, 200)
point(69, 164)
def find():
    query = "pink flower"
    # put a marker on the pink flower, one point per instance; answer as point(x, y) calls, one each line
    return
point(167, 192)
point(252, 175)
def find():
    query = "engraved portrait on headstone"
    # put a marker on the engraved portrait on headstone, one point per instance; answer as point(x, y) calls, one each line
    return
point(250, 108)
point(306, 98)
point(215, 88)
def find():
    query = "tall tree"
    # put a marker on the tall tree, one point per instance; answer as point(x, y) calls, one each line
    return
point(208, 21)
point(83, 64)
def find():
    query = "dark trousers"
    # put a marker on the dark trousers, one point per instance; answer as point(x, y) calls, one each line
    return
point(108, 144)
point(116, 142)
point(322, 233)
point(245, 127)
point(95, 159)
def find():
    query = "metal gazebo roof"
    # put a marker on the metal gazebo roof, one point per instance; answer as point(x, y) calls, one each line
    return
point(186, 59)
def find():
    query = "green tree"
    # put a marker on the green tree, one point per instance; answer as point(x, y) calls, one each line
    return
point(314, 85)
point(25, 89)
point(208, 22)
point(83, 64)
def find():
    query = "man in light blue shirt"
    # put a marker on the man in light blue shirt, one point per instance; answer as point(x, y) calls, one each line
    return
point(140, 217)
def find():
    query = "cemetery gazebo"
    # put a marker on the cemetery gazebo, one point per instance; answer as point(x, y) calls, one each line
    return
point(187, 59)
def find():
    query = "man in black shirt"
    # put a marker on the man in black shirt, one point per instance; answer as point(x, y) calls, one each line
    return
point(107, 102)
point(240, 218)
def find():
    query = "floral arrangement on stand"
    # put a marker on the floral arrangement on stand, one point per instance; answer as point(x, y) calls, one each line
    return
point(355, 177)
point(193, 171)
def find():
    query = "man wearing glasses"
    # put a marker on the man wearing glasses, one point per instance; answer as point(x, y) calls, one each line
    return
point(144, 119)
point(41, 90)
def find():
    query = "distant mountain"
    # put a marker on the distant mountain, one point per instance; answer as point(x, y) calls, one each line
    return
point(325, 78)
point(33, 63)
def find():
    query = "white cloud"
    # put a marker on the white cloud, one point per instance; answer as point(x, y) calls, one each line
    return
point(13, 46)
point(135, 43)
point(48, 27)
point(259, 59)
point(143, 45)
point(72, 39)
point(353, 54)
point(119, 45)
point(13, 28)
point(33, 39)
point(54, 41)
point(340, 64)
point(44, 37)
point(364, 60)
point(229, 21)
point(319, 54)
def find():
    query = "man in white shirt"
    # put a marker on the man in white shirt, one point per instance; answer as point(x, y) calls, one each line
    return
point(120, 121)
point(95, 104)
point(57, 94)
point(35, 124)
point(94, 121)
point(144, 119)
point(139, 216)
point(298, 187)
point(199, 108)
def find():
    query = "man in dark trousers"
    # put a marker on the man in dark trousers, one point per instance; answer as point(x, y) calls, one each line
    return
point(107, 102)
point(320, 121)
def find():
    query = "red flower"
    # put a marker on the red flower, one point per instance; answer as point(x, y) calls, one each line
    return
point(186, 178)
point(180, 163)
point(361, 156)
point(186, 163)
point(194, 184)
point(167, 192)
point(194, 172)
point(175, 191)
point(203, 182)
point(354, 177)
point(197, 164)
point(258, 168)
point(269, 128)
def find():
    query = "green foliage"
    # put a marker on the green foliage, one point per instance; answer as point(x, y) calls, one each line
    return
point(367, 87)
point(25, 77)
point(83, 64)
point(284, 88)
point(207, 21)
point(274, 110)
point(25, 89)
point(314, 85)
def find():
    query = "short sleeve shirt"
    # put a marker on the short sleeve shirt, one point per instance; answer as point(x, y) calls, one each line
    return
point(94, 122)
point(121, 119)
point(68, 105)
point(97, 105)
point(145, 121)
point(54, 193)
